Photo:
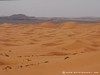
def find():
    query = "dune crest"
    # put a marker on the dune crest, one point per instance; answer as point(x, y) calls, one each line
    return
point(49, 49)
point(68, 25)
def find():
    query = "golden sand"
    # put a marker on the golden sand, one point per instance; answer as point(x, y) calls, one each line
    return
point(49, 49)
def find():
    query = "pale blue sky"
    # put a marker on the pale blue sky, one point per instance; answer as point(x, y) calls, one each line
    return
point(51, 8)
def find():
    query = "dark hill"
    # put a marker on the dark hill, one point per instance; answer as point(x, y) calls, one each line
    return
point(23, 19)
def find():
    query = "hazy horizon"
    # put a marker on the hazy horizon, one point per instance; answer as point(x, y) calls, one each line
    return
point(51, 8)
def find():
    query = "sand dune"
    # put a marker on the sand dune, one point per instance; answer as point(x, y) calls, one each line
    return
point(68, 25)
point(49, 49)
point(47, 25)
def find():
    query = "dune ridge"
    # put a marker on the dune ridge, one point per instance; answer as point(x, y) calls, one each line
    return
point(49, 49)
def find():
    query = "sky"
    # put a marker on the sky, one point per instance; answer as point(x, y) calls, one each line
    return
point(51, 8)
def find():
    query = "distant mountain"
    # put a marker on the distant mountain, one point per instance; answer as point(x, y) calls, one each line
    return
point(23, 19)
point(19, 16)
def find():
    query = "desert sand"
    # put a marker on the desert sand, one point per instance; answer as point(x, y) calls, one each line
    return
point(49, 49)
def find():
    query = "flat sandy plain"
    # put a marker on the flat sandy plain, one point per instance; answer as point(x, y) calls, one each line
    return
point(49, 49)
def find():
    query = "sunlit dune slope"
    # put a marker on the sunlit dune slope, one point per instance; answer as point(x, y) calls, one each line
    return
point(49, 49)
